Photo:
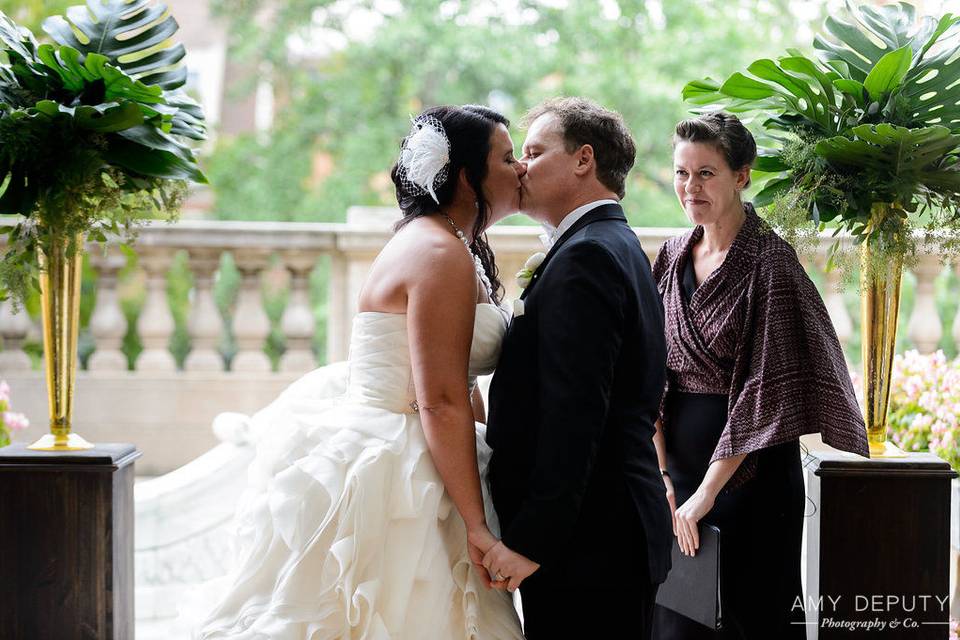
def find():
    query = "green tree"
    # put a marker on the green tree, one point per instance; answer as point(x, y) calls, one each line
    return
point(341, 116)
point(31, 13)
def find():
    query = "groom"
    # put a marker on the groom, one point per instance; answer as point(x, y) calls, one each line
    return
point(574, 474)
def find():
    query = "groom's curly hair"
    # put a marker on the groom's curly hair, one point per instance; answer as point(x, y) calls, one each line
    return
point(586, 122)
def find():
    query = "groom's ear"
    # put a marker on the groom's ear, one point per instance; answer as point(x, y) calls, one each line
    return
point(585, 160)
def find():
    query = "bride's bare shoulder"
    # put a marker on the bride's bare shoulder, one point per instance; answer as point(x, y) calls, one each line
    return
point(422, 254)
point(424, 242)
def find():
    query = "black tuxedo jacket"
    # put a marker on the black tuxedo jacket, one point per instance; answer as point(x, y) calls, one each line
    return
point(574, 474)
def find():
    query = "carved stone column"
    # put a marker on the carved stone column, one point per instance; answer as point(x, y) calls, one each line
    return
point(107, 324)
point(251, 326)
point(14, 328)
point(205, 324)
point(956, 318)
point(338, 320)
point(925, 328)
point(298, 323)
point(833, 301)
point(155, 324)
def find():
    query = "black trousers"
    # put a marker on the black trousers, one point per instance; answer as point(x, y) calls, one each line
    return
point(761, 528)
point(624, 613)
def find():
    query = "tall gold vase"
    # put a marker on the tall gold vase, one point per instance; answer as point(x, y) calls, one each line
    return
point(60, 274)
point(879, 312)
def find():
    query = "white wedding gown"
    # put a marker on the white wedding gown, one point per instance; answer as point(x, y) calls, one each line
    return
point(345, 530)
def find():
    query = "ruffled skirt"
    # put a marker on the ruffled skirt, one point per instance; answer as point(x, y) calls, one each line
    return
point(346, 532)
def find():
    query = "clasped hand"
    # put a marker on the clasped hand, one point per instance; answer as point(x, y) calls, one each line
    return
point(492, 558)
point(514, 568)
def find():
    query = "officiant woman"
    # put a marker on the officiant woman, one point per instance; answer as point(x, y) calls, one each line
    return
point(753, 363)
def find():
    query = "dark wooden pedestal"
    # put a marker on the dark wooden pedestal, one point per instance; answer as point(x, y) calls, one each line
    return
point(66, 543)
point(878, 547)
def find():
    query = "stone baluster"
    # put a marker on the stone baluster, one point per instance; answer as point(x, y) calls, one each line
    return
point(155, 324)
point(338, 319)
point(107, 323)
point(205, 324)
point(14, 327)
point(833, 300)
point(251, 326)
point(298, 323)
point(956, 318)
point(925, 328)
point(358, 268)
point(35, 332)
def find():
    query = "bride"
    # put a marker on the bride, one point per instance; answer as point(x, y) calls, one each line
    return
point(366, 512)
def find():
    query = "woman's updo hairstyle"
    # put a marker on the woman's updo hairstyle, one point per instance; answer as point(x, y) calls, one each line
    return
point(468, 129)
point(725, 132)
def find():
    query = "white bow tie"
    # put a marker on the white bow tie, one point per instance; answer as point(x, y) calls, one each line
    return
point(548, 237)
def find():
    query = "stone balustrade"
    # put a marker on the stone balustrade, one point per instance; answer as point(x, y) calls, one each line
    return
point(275, 255)
point(166, 401)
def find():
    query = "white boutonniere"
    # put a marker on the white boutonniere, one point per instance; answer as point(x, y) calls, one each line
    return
point(525, 277)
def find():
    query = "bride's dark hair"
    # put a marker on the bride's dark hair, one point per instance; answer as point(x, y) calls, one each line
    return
point(469, 129)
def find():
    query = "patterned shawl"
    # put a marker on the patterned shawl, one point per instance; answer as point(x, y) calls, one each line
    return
point(757, 330)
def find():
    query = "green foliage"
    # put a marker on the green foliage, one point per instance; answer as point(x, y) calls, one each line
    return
point(90, 129)
point(868, 137)
point(342, 114)
point(134, 34)
point(31, 13)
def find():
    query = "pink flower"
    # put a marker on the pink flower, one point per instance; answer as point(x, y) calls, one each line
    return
point(4, 391)
point(15, 421)
point(912, 386)
point(925, 404)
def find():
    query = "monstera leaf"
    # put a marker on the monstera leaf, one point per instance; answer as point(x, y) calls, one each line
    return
point(852, 45)
point(16, 39)
point(91, 129)
point(904, 156)
point(188, 121)
point(150, 152)
point(793, 85)
point(76, 75)
point(109, 117)
point(893, 25)
point(124, 31)
point(933, 85)
point(876, 119)
point(882, 64)
point(914, 57)
point(134, 35)
point(51, 93)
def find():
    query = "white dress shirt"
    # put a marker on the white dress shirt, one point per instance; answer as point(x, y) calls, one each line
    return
point(551, 233)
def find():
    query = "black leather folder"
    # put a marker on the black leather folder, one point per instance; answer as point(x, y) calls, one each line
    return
point(692, 587)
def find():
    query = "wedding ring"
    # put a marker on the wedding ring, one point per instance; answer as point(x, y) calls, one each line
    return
point(498, 577)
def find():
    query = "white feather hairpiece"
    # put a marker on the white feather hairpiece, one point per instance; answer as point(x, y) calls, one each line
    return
point(424, 157)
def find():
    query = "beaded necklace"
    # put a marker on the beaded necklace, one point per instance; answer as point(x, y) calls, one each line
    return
point(477, 264)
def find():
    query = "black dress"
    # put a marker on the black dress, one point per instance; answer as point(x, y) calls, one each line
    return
point(760, 522)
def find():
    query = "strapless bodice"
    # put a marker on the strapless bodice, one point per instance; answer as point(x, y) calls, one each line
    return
point(380, 368)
